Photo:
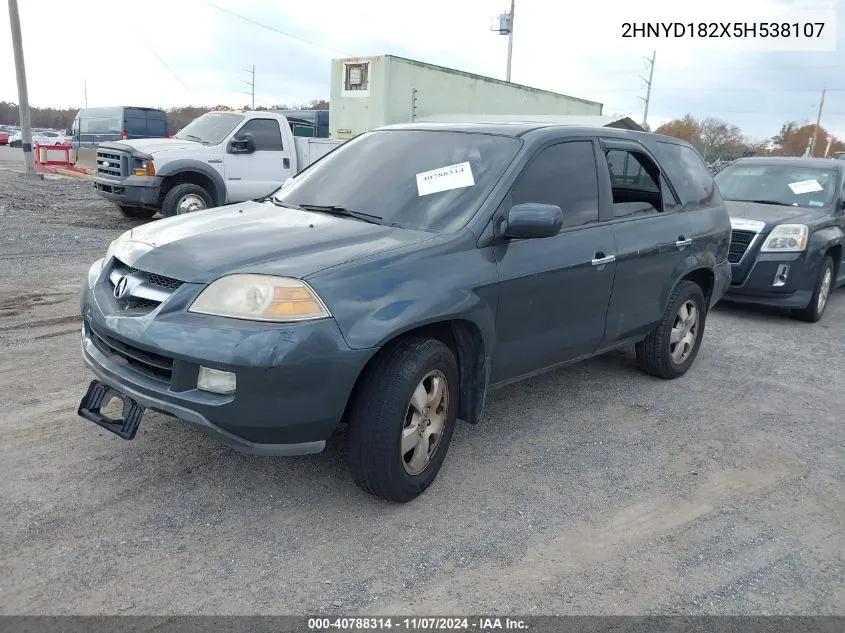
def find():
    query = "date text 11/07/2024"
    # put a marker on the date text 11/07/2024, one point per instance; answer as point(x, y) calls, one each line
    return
point(416, 624)
point(722, 29)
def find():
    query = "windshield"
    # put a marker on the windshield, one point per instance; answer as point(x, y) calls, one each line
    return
point(787, 185)
point(418, 179)
point(211, 128)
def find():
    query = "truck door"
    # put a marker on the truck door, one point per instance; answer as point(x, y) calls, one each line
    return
point(256, 171)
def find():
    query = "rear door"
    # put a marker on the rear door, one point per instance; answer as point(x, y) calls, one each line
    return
point(257, 174)
point(156, 124)
point(100, 125)
point(652, 234)
point(135, 123)
point(554, 291)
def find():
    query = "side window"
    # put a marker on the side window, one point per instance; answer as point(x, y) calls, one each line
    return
point(268, 136)
point(633, 180)
point(690, 173)
point(564, 175)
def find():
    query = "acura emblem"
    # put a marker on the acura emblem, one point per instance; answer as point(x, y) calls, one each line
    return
point(121, 288)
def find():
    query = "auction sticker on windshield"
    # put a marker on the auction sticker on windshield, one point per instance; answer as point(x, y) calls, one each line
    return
point(805, 186)
point(445, 178)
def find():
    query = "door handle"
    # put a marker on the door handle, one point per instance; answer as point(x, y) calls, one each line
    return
point(601, 260)
point(683, 242)
point(286, 163)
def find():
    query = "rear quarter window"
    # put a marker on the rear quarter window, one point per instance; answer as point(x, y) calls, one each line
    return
point(689, 174)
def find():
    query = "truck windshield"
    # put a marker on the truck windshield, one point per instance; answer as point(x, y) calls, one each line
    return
point(786, 185)
point(211, 128)
point(419, 179)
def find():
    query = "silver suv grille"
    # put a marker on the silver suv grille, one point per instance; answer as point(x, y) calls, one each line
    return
point(138, 290)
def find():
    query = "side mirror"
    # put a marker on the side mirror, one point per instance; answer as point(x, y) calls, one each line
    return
point(243, 144)
point(531, 220)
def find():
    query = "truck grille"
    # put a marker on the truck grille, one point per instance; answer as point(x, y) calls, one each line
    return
point(148, 363)
point(112, 164)
point(740, 241)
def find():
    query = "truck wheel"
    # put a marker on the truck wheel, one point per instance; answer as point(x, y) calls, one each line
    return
point(402, 418)
point(818, 302)
point(669, 351)
point(136, 212)
point(185, 198)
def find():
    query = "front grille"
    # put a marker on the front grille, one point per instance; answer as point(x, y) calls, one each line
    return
point(157, 280)
point(148, 363)
point(740, 240)
point(158, 287)
point(112, 164)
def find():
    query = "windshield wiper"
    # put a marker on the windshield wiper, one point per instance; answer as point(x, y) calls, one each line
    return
point(343, 211)
point(194, 137)
point(780, 204)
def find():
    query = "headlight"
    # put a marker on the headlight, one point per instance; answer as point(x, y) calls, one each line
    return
point(786, 238)
point(260, 298)
point(143, 167)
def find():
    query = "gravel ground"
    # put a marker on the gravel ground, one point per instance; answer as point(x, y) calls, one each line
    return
point(590, 490)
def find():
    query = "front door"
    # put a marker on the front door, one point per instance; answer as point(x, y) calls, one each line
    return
point(251, 176)
point(553, 292)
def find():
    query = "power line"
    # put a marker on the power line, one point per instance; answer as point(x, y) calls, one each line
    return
point(159, 58)
point(275, 30)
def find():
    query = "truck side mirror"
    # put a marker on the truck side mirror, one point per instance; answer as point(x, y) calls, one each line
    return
point(242, 144)
point(530, 221)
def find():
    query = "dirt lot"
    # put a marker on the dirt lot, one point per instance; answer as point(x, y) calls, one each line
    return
point(591, 490)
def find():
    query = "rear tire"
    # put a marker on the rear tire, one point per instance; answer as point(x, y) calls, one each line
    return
point(185, 198)
point(670, 350)
point(136, 212)
point(402, 418)
point(821, 294)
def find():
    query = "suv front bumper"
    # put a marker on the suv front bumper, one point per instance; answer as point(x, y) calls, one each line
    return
point(136, 191)
point(761, 285)
point(293, 381)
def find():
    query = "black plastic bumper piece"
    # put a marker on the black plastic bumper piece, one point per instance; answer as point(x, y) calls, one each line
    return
point(100, 395)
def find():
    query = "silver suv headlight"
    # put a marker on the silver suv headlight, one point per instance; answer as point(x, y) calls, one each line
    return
point(260, 298)
point(786, 238)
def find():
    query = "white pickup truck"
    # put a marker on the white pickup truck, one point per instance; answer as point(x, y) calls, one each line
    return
point(219, 158)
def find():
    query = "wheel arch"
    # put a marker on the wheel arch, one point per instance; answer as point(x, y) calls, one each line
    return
point(464, 337)
point(188, 171)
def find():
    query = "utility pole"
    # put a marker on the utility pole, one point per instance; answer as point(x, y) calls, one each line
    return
point(510, 41)
point(251, 84)
point(23, 96)
point(818, 122)
point(648, 86)
point(86, 93)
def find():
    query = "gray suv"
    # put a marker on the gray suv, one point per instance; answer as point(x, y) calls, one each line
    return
point(396, 282)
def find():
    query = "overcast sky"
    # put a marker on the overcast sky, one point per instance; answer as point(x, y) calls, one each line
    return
point(181, 52)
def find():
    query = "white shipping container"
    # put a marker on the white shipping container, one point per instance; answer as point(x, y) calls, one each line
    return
point(370, 92)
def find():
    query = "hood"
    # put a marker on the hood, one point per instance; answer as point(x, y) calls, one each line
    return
point(151, 145)
point(770, 214)
point(255, 237)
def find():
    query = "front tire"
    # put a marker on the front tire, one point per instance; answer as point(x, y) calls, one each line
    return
point(136, 212)
point(670, 350)
point(185, 198)
point(402, 418)
point(818, 302)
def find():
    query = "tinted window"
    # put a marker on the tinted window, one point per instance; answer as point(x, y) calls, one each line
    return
point(787, 185)
point(563, 175)
point(670, 202)
point(420, 179)
point(268, 136)
point(156, 127)
point(136, 126)
point(689, 173)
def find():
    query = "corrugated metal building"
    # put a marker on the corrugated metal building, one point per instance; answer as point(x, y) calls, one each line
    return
point(369, 92)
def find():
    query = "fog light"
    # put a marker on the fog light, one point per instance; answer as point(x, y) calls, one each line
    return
point(781, 275)
point(216, 381)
